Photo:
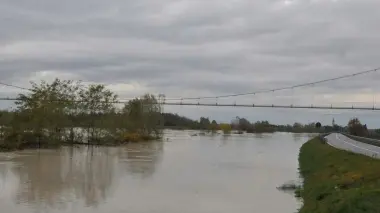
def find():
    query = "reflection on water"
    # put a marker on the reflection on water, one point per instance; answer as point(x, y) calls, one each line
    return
point(142, 158)
point(56, 178)
point(212, 173)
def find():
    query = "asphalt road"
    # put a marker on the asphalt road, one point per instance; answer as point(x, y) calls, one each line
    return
point(340, 141)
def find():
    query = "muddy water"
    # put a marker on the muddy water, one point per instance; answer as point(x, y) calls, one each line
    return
point(187, 174)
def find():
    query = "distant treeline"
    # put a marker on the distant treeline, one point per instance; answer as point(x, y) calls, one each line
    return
point(176, 121)
point(354, 126)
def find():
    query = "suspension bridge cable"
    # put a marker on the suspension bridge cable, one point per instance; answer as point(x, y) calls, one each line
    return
point(123, 101)
point(247, 93)
point(14, 86)
point(282, 88)
point(231, 105)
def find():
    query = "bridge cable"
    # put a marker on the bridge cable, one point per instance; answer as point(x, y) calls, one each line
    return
point(284, 88)
point(242, 94)
point(313, 95)
point(253, 104)
point(15, 86)
point(374, 93)
point(293, 98)
point(373, 97)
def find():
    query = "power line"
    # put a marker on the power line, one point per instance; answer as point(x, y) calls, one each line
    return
point(280, 88)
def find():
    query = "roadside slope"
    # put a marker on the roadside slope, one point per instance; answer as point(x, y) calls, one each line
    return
point(337, 181)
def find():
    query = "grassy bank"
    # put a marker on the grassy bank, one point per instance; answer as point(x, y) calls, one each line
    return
point(337, 181)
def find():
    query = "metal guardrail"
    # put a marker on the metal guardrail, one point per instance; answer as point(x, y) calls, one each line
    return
point(370, 141)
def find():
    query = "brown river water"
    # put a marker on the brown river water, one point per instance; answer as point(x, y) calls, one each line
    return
point(183, 174)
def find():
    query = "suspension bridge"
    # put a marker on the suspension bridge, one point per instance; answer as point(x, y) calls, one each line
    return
point(240, 105)
point(204, 101)
point(200, 101)
point(271, 106)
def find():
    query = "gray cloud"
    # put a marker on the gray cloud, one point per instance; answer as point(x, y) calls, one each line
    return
point(193, 47)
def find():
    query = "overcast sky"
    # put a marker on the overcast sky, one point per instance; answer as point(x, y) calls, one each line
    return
point(199, 48)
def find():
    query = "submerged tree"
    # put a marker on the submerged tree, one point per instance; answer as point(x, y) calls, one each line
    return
point(67, 111)
point(356, 128)
point(214, 126)
point(5, 121)
point(204, 123)
point(143, 116)
point(96, 103)
point(44, 110)
point(226, 128)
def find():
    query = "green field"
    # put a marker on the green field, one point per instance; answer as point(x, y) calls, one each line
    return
point(337, 181)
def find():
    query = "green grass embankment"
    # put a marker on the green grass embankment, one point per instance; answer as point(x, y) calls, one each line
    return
point(337, 181)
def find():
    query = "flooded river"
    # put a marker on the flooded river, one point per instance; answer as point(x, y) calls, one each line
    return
point(183, 174)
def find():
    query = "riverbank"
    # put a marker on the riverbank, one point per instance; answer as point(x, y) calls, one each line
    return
point(337, 181)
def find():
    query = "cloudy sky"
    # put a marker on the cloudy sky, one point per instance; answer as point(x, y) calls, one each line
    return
point(196, 48)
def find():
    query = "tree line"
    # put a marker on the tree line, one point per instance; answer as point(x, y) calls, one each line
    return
point(238, 124)
point(51, 114)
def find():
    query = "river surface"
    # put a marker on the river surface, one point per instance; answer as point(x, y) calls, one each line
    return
point(183, 174)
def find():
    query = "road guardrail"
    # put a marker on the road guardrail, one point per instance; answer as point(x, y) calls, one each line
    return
point(370, 141)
